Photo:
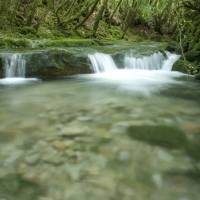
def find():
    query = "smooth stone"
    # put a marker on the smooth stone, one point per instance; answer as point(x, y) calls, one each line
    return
point(84, 119)
point(32, 159)
point(74, 131)
point(59, 145)
point(157, 179)
point(52, 156)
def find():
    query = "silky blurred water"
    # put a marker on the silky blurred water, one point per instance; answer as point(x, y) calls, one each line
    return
point(123, 135)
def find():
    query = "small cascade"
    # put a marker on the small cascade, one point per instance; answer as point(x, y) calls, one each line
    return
point(102, 62)
point(169, 62)
point(14, 65)
point(105, 63)
point(153, 62)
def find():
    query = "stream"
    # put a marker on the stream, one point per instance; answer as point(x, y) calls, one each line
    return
point(127, 131)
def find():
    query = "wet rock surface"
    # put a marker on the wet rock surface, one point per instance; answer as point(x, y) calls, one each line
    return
point(52, 64)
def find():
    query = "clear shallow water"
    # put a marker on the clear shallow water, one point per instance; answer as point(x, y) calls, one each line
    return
point(125, 136)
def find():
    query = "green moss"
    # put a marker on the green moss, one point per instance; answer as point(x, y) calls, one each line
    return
point(193, 55)
point(68, 43)
point(119, 47)
point(173, 47)
point(193, 149)
point(17, 43)
point(116, 32)
point(45, 33)
point(168, 137)
point(197, 76)
point(186, 67)
point(108, 32)
point(27, 30)
point(14, 43)
point(180, 66)
point(165, 136)
point(2, 44)
point(197, 46)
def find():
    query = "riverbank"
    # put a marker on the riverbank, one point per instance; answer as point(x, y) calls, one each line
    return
point(17, 40)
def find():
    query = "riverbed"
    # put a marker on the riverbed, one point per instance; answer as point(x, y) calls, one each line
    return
point(132, 135)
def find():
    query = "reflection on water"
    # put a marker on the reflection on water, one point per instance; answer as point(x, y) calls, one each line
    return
point(93, 137)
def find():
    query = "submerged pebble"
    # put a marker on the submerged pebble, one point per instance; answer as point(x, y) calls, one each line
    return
point(100, 142)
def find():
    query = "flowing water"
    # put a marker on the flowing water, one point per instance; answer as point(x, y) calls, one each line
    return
point(14, 69)
point(122, 133)
point(14, 65)
point(105, 63)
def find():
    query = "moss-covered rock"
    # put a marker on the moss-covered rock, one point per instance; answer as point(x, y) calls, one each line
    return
point(55, 63)
point(64, 60)
point(197, 76)
point(14, 43)
point(35, 43)
point(180, 66)
point(161, 135)
point(193, 55)
point(190, 65)
point(186, 67)
point(167, 137)
point(64, 43)
point(51, 63)
point(193, 148)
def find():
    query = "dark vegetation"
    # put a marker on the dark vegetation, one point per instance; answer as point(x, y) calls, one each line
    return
point(172, 20)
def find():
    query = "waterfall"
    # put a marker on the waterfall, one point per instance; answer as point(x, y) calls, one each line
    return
point(157, 61)
point(102, 62)
point(14, 65)
point(153, 62)
point(168, 63)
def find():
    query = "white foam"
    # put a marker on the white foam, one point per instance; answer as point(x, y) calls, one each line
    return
point(16, 81)
point(142, 81)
